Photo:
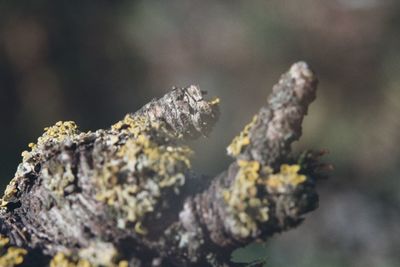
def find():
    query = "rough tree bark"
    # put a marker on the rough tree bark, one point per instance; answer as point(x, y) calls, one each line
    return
point(126, 196)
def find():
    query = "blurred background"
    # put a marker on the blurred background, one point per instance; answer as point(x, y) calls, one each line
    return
point(94, 61)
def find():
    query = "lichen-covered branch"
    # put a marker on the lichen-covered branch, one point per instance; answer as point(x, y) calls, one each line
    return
point(184, 111)
point(268, 137)
point(121, 196)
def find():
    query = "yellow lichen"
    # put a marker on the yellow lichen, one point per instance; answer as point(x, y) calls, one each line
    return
point(11, 256)
point(101, 254)
point(59, 176)
point(134, 182)
point(242, 140)
point(140, 229)
point(288, 176)
point(63, 260)
point(57, 133)
point(132, 124)
point(214, 101)
point(123, 264)
point(244, 204)
point(4, 241)
point(53, 134)
point(10, 192)
point(26, 154)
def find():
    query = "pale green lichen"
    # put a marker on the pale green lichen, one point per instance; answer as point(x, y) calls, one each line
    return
point(101, 254)
point(242, 140)
point(58, 177)
point(247, 199)
point(10, 256)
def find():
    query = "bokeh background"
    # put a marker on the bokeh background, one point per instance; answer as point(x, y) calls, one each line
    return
point(94, 61)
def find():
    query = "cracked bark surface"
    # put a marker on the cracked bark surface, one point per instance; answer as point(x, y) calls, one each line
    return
point(124, 196)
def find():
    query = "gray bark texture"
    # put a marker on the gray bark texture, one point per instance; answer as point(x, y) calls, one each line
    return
point(126, 196)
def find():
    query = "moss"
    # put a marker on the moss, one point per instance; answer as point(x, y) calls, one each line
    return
point(247, 197)
point(242, 140)
point(10, 256)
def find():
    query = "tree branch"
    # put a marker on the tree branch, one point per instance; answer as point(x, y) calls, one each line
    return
point(121, 196)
